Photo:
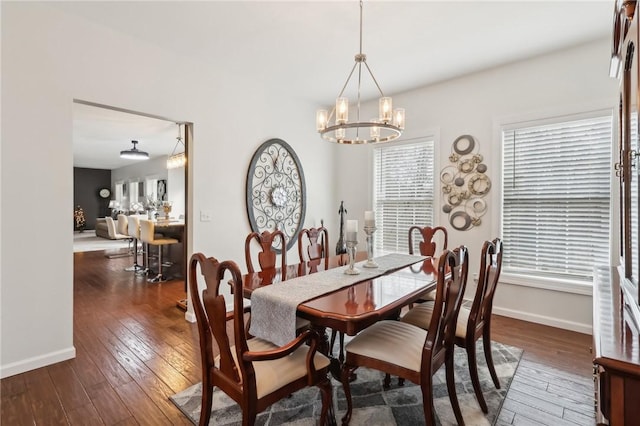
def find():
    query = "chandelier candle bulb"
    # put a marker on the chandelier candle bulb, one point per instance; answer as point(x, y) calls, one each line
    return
point(321, 119)
point(375, 131)
point(370, 219)
point(385, 109)
point(398, 118)
point(342, 110)
point(352, 230)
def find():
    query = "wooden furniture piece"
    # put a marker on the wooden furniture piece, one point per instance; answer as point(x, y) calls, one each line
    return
point(317, 251)
point(616, 352)
point(402, 349)
point(475, 322)
point(616, 298)
point(253, 372)
point(267, 260)
point(354, 308)
point(267, 256)
point(149, 237)
point(316, 242)
point(431, 236)
point(428, 247)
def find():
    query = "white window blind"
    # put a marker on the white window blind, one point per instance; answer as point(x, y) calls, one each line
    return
point(556, 180)
point(403, 192)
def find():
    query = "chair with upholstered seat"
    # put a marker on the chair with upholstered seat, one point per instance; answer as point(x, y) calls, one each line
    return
point(253, 372)
point(113, 230)
point(123, 229)
point(315, 242)
point(474, 322)
point(402, 349)
point(267, 256)
point(149, 237)
point(431, 238)
point(434, 241)
point(133, 226)
point(267, 259)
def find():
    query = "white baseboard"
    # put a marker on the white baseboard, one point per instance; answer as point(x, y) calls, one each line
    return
point(544, 320)
point(36, 362)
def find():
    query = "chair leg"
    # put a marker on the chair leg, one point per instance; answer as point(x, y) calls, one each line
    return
point(486, 343)
point(427, 400)
point(344, 376)
point(386, 383)
point(249, 417)
point(473, 372)
point(451, 388)
point(207, 399)
point(327, 415)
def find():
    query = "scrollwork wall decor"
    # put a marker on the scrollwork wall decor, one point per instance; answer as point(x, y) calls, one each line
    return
point(464, 184)
point(276, 193)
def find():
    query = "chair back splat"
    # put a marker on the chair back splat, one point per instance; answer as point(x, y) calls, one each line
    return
point(253, 372)
point(316, 241)
point(430, 237)
point(267, 255)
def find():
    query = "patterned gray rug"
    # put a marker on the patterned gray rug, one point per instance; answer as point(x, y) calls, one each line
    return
point(372, 405)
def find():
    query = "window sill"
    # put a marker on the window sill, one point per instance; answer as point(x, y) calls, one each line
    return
point(562, 285)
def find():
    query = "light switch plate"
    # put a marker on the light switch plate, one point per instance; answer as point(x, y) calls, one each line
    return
point(205, 216)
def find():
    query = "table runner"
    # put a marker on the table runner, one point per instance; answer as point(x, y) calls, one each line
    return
point(273, 307)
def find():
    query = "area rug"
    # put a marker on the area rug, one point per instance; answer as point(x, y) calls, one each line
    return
point(88, 241)
point(372, 405)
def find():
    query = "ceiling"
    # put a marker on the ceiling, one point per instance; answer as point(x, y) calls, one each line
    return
point(307, 47)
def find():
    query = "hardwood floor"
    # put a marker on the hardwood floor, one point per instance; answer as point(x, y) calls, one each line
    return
point(134, 350)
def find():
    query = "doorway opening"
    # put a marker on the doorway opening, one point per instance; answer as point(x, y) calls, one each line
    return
point(105, 185)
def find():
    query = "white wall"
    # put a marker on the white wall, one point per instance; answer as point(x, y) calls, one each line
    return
point(68, 58)
point(569, 81)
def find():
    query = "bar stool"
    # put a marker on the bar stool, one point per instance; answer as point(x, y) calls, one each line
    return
point(148, 236)
point(134, 232)
point(123, 229)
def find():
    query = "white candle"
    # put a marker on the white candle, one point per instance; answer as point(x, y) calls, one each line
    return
point(352, 230)
point(370, 219)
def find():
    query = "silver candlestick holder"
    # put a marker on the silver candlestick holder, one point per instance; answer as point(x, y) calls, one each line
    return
point(370, 263)
point(351, 250)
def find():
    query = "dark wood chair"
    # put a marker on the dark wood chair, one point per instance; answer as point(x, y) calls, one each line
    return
point(316, 242)
point(474, 322)
point(253, 372)
point(410, 352)
point(428, 246)
point(431, 236)
point(267, 257)
point(267, 260)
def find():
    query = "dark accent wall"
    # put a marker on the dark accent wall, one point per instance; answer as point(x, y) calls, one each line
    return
point(86, 184)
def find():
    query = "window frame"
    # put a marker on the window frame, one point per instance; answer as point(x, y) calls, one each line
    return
point(557, 283)
point(431, 137)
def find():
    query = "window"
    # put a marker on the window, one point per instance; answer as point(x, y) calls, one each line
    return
point(556, 190)
point(403, 192)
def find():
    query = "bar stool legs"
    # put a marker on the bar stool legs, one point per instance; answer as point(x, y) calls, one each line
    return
point(160, 277)
point(135, 267)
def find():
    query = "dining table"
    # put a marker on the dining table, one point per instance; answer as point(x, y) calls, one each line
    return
point(349, 306)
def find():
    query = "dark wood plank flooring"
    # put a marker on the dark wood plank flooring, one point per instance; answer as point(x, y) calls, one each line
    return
point(134, 350)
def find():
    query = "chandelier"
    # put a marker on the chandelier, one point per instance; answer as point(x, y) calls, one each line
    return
point(177, 160)
point(134, 153)
point(386, 127)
